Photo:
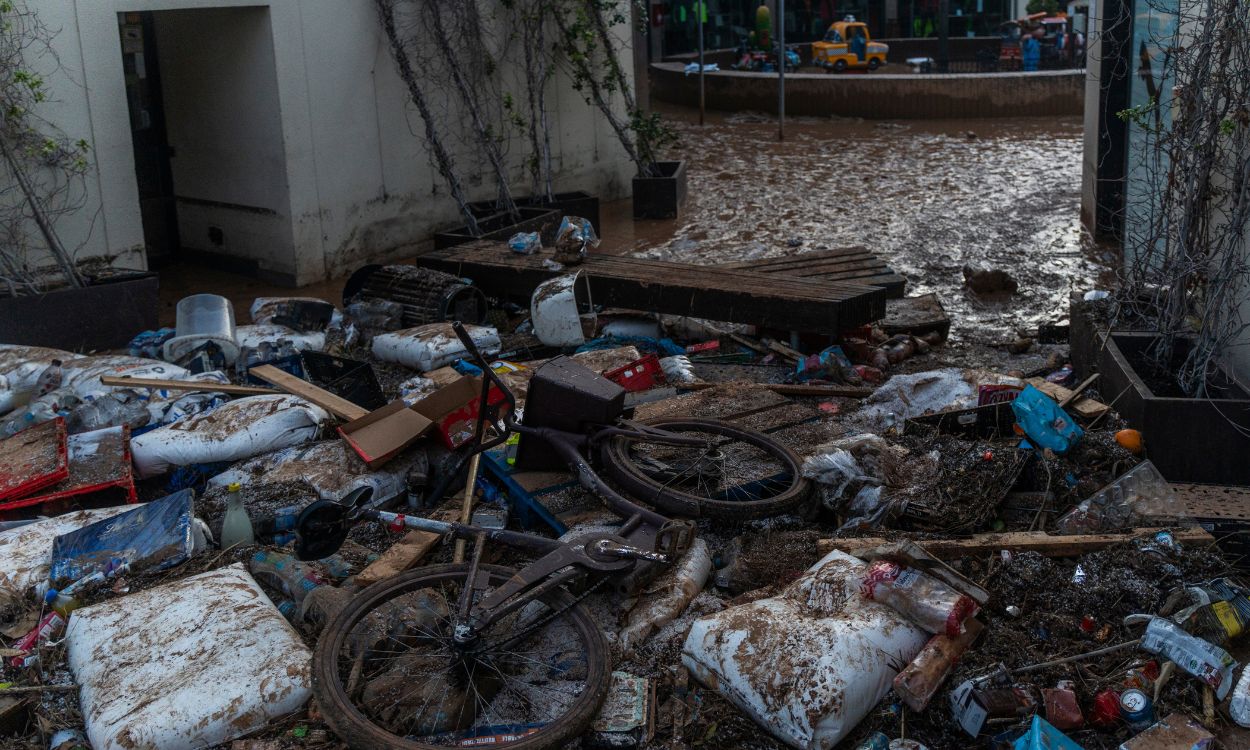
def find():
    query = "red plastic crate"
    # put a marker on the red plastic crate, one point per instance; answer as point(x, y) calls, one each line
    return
point(639, 375)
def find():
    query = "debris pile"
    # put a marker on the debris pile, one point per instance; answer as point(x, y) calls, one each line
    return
point(875, 548)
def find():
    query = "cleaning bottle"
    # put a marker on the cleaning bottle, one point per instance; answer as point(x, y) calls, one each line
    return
point(236, 528)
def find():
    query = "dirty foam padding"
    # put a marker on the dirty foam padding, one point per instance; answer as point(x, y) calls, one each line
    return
point(193, 663)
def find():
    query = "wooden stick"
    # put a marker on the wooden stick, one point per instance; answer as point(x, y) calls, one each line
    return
point(405, 553)
point(1017, 541)
point(1076, 392)
point(1077, 657)
point(466, 508)
point(336, 405)
point(187, 385)
point(36, 689)
point(785, 389)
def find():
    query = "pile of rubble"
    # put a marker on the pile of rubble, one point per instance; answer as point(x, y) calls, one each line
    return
point(985, 559)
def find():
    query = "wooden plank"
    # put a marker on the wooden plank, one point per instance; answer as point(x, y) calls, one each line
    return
point(831, 391)
point(854, 264)
point(336, 405)
point(1016, 541)
point(712, 292)
point(187, 385)
point(916, 315)
point(408, 551)
point(1084, 407)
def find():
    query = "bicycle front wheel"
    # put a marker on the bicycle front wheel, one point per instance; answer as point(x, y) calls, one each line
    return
point(734, 474)
point(387, 673)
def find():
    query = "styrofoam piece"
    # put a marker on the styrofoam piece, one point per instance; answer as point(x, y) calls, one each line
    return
point(251, 337)
point(193, 663)
point(26, 552)
point(555, 314)
point(433, 345)
point(243, 428)
point(809, 664)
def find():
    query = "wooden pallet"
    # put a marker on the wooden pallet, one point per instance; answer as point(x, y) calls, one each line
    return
point(713, 292)
point(846, 264)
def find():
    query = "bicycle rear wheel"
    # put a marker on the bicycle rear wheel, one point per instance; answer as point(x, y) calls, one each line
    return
point(737, 474)
point(387, 674)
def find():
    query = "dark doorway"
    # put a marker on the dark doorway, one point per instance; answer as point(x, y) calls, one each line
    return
point(149, 136)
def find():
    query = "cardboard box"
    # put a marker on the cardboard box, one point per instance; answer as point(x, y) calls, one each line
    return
point(380, 435)
point(453, 409)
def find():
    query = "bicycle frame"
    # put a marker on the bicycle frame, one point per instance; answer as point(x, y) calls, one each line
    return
point(645, 534)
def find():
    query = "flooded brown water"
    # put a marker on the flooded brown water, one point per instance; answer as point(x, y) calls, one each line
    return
point(928, 197)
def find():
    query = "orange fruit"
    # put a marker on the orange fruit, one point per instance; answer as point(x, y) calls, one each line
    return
point(1131, 440)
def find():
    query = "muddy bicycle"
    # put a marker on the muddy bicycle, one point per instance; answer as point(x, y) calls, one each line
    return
point(474, 654)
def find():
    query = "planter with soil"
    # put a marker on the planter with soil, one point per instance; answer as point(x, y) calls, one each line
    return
point(1205, 440)
point(576, 203)
point(661, 197)
point(106, 314)
point(501, 226)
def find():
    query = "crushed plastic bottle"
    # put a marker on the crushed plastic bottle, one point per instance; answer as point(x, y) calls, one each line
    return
point(282, 571)
point(50, 379)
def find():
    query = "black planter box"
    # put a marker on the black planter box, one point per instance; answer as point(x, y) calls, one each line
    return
point(105, 315)
point(661, 197)
point(576, 203)
point(1188, 439)
point(500, 227)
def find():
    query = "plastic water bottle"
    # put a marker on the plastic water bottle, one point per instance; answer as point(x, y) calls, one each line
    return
point(282, 571)
point(236, 528)
point(50, 379)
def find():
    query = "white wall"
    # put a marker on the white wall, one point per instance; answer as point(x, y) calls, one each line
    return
point(359, 185)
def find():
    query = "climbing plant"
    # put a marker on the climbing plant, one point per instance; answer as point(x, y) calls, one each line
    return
point(1187, 216)
point(46, 168)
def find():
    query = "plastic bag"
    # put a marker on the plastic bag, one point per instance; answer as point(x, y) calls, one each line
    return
point(926, 601)
point(678, 369)
point(574, 239)
point(1206, 661)
point(1046, 424)
point(525, 243)
point(836, 471)
point(669, 596)
point(240, 429)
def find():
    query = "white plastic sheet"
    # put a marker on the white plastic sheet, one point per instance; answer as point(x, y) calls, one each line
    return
point(240, 429)
point(193, 663)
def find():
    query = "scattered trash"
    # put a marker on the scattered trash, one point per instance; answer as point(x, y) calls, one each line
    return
point(1140, 495)
point(525, 243)
point(1175, 732)
point(574, 240)
point(1045, 423)
point(1206, 661)
point(192, 663)
point(627, 717)
point(1043, 736)
point(203, 319)
point(669, 596)
point(26, 551)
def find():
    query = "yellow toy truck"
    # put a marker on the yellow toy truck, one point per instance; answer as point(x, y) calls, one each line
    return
point(847, 44)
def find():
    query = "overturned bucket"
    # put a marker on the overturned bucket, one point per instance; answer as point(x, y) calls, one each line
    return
point(202, 318)
point(562, 312)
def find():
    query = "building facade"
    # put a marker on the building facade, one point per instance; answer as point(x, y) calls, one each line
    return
point(273, 132)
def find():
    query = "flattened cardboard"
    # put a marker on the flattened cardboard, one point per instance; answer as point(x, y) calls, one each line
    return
point(381, 434)
point(454, 409)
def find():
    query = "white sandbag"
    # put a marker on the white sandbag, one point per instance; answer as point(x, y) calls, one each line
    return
point(83, 375)
point(240, 429)
point(251, 337)
point(330, 467)
point(194, 663)
point(20, 368)
point(809, 664)
point(26, 552)
point(432, 346)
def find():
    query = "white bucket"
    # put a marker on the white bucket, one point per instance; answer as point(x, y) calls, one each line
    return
point(555, 310)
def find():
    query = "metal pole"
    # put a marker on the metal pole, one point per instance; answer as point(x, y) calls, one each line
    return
point(700, 7)
point(781, 70)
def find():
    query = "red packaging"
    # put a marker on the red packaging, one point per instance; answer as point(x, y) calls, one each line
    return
point(1062, 709)
point(996, 394)
point(639, 375)
point(47, 629)
point(1106, 710)
point(928, 602)
point(706, 346)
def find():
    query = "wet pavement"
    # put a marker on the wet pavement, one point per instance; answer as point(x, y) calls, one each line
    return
point(928, 197)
